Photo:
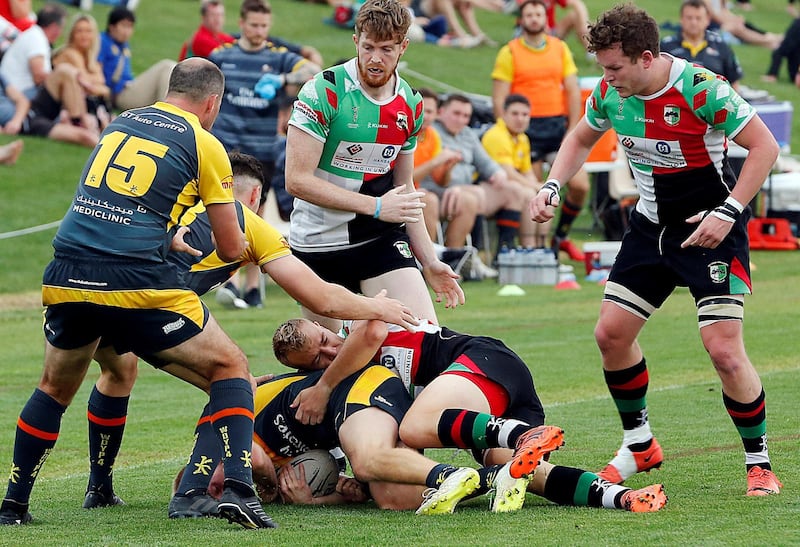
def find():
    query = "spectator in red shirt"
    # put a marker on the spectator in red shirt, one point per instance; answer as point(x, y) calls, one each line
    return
point(575, 19)
point(18, 12)
point(209, 35)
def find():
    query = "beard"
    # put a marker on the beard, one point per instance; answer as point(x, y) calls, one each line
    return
point(374, 80)
point(533, 29)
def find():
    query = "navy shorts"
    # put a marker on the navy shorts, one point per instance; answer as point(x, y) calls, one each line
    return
point(88, 300)
point(652, 264)
point(349, 267)
point(376, 387)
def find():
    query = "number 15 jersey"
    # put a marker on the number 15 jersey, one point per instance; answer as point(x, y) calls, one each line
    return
point(151, 165)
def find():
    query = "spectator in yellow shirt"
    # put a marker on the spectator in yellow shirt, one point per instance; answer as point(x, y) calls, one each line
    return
point(508, 145)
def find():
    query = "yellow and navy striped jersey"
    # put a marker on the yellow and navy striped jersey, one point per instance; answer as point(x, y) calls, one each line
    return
point(275, 428)
point(205, 272)
point(150, 166)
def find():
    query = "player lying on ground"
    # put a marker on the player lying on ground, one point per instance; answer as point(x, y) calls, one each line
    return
point(364, 415)
point(478, 395)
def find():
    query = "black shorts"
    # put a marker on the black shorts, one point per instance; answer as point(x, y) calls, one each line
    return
point(651, 262)
point(139, 308)
point(546, 134)
point(349, 267)
point(43, 114)
point(491, 358)
point(376, 387)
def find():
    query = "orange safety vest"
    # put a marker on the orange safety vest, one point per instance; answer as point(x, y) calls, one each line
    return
point(539, 76)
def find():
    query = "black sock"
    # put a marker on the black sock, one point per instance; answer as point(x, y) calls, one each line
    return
point(106, 416)
point(507, 227)
point(438, 474)
point(569, 212)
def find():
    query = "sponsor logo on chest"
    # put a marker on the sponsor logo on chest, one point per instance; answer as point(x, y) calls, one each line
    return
point(364, 157)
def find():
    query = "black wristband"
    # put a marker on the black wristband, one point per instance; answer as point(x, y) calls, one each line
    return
point(726, 212)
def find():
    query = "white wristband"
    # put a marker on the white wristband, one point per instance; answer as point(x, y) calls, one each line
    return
point(729, 211)
point(730, 200)
point(552, 187)
point(554, 181)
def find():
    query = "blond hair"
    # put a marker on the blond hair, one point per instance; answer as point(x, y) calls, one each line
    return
point(288, 337)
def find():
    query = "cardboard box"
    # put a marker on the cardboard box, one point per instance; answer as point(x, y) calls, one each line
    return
point(600, 255)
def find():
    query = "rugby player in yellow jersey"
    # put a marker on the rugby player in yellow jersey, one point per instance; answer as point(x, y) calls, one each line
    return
point(109, 280)
point(203, 270)
point(364, 413)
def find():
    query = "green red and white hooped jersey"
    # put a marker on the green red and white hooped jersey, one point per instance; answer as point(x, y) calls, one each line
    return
point(675, 139)
point(362, 140)
point(403, 350)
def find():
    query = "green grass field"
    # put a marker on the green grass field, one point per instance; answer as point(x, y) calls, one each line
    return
point(552, 331)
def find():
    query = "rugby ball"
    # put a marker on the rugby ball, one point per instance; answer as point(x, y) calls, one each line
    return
point(322, 471)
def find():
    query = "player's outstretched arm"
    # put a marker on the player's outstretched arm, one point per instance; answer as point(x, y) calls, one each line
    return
point(356, 352)
point(332, 300)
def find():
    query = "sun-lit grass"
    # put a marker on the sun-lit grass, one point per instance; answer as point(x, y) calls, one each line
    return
point(551, 330)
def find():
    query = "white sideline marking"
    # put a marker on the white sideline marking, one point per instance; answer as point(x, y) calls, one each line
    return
point(31, 230)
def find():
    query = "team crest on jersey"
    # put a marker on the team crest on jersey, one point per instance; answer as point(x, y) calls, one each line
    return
point(355, 114)
point(402, 121)
point(672, 115)
point(718, 272)
point(403, 248)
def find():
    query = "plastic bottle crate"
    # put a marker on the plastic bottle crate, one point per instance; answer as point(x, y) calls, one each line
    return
point(527, 266)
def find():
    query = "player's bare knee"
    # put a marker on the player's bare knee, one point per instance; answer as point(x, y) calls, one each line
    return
point(607, 340)
point(727, 356)
point(410, 433)
point(363, 468)
point(233, 363)
point(389, 497)
point(366, 463)
point(728, 367)
point(62, 391)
